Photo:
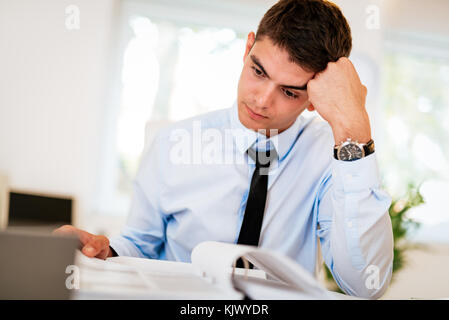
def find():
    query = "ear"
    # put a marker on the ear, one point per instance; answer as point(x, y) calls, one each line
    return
point(249, 44)
point(311, 107)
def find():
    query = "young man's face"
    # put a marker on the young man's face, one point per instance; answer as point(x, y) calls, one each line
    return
point(269, 90)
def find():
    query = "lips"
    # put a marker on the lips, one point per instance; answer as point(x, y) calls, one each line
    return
point(253, 115)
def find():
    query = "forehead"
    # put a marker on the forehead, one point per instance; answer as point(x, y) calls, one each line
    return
point(276, 62)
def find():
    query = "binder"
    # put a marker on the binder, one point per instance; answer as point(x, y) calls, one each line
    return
point(211, 275)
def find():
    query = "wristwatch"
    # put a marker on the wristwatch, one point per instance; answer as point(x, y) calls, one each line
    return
point(352, 150)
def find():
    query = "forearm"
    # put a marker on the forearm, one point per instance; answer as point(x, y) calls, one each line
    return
point(360, 240)
point(361, 245)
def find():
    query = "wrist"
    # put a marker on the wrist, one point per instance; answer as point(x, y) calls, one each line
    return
point(356, 130)
point(360, 137)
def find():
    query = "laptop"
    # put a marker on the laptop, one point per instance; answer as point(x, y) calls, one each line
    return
point(33, 265)
point(37, 212)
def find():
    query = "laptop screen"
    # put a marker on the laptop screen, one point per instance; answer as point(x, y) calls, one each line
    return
point(39, 209)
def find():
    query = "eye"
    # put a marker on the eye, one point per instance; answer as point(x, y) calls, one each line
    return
point(257, 72)
point(289, 94)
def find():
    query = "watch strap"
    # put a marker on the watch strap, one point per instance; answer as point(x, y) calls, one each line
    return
point(368, 148)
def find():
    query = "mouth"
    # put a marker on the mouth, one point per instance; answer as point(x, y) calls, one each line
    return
point(253, 115)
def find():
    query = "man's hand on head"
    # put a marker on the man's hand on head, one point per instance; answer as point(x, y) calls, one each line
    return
point(339, 97)
point(91, 245)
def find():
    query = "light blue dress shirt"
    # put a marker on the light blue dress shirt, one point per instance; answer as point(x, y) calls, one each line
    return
point(193, 184)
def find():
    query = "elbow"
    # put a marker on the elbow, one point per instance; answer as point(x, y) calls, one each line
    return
point(377, 284)
point(372, 284)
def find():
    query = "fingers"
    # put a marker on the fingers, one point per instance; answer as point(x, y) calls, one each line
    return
point(64, 230)
point(82, 235)
point(90, 245)
point(97, 247)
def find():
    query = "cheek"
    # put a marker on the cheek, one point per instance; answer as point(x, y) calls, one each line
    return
point(301, 104)
point(241, 85)
point(293, 109)
point(246, 83)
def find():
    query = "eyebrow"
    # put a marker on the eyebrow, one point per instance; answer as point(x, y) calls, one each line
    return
point(259, 64)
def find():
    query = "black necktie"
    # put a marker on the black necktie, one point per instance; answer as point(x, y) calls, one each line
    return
point(255, 206)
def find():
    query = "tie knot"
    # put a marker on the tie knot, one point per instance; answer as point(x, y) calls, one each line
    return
point(262, 158)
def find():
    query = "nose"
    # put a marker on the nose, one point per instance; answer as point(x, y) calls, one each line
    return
point(264, 97)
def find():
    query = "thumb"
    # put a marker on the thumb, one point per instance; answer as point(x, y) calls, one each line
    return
point(90, 250)
point(96, 246)
point(92, 247)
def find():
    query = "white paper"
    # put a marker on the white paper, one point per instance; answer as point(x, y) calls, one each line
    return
point(138, 278)
point(210, 276)
point(213, 258)
point(216, 259)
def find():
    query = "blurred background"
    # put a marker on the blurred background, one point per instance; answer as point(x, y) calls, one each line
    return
point(84, 85)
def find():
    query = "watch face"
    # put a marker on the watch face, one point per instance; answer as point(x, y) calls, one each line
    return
point(350, 152)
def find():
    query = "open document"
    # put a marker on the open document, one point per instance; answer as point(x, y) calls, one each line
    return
point(211, 275)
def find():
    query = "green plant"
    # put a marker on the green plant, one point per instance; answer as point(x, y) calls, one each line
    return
point(402, 227)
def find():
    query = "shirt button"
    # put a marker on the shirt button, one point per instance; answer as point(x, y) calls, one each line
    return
point(348, 177)
point(349, 224)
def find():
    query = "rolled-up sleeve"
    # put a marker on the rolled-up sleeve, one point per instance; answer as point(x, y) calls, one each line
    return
point(354, 227)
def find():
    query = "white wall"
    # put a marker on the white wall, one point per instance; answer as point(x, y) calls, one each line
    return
point(52, 90)
point(418, 16)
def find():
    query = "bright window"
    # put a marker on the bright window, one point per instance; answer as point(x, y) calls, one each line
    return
point(416, 138)
point(170, 70)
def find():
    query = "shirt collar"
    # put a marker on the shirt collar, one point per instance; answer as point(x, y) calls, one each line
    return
point(245, 138)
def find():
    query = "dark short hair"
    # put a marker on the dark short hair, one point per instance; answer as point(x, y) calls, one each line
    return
point(313, 32)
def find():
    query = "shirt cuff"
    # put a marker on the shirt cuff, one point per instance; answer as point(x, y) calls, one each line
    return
point(356, 176)
point(113, 252)
point(124, 247)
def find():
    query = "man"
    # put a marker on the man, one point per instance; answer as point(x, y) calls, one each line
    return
point(300, 180)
